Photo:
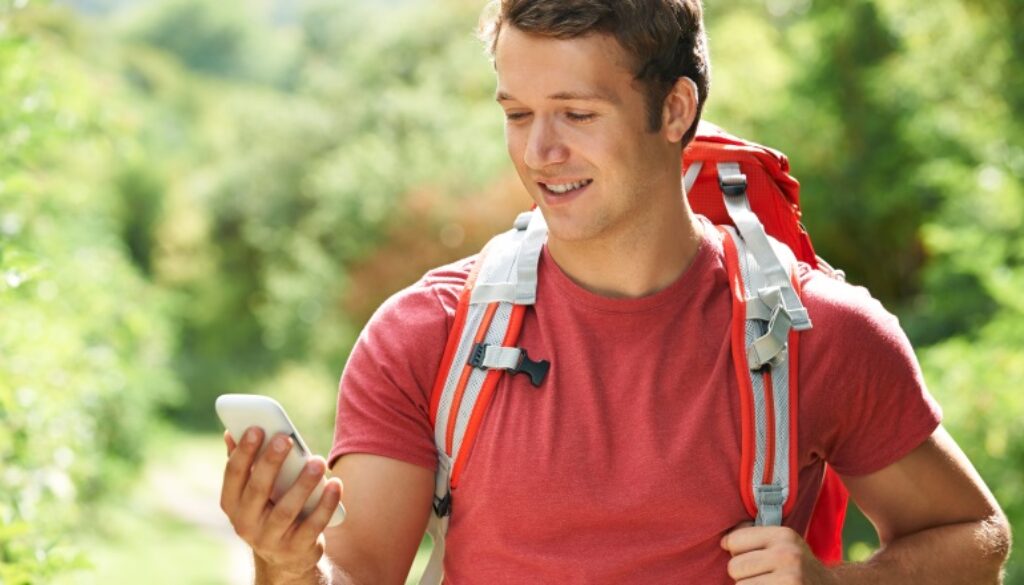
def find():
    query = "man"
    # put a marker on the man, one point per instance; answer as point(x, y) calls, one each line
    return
point(621, 466)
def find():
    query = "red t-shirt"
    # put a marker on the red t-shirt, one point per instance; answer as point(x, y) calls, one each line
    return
point(623, 467)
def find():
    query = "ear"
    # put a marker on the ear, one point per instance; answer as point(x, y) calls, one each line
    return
point(679, 109)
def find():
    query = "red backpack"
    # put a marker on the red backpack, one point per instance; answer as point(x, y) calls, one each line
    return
point(746, 190)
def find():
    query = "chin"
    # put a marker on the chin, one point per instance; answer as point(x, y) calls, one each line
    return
point(567, 230)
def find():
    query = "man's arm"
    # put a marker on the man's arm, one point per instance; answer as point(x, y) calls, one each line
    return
point(937, 522)
point(936, 519)
point(388, 503)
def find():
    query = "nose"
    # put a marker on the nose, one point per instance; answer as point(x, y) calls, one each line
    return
point(544, 146)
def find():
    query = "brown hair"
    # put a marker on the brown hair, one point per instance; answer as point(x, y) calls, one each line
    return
point(666, 38)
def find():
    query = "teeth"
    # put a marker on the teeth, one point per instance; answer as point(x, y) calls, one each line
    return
point(568, 186)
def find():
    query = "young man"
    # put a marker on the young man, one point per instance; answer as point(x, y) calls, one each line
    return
point(620, 468)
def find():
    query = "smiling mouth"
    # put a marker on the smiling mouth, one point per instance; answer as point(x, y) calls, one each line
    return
point(565, 188)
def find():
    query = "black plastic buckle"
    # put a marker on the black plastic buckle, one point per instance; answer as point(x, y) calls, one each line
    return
point(733, 185)
point(443, 506)
point(537, 371)
point(476, 357)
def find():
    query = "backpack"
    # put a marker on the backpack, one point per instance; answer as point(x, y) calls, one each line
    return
point(743, 188)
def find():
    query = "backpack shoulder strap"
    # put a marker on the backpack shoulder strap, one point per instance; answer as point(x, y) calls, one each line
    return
point(767, 314)
point(717, 162)
point(480, 348)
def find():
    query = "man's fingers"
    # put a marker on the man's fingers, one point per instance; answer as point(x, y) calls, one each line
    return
point(288, 508)
point(229, 442)
point(751, 564)
point(236, 472)
point(771, 554)
point(316, 522)
point(260, 487)
point(724, 543)
point(748, 538)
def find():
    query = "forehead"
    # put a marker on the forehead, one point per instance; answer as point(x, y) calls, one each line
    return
point(530, 65)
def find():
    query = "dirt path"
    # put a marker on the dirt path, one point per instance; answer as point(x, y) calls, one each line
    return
point(186, 483)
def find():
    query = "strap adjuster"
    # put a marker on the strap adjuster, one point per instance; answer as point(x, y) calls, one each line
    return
point(443, 506)
point(733, 184)
point(476, 356)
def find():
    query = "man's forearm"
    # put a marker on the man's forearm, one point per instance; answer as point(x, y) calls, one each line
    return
point(971, 552)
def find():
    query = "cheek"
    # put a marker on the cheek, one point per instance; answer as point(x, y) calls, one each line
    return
point(515, 142)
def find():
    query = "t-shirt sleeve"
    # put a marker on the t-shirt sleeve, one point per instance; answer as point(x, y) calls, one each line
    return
point(867, 405)
point(384, 393)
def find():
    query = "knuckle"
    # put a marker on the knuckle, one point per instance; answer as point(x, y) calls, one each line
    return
point(282, 514)
point(236, 465)
point(313, 526)
point(245, 531)
point(790, 536)
point(258, 487)
point(263, 478)
point(249, 450)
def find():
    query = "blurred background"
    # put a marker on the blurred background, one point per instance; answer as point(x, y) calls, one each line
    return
point(201, 197)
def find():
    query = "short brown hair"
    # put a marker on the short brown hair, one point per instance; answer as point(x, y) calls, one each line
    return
point(666, 38)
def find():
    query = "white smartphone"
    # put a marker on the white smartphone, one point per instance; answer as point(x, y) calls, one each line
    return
point(238, 412)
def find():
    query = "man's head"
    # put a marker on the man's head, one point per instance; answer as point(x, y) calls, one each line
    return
point(664, 39)
point(598, 102)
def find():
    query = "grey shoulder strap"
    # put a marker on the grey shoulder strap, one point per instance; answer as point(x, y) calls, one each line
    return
point(507, 277)
point(773, 310)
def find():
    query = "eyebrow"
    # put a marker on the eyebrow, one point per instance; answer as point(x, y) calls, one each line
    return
point(599, 96)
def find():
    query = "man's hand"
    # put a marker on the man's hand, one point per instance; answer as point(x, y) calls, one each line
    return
point(773, 555)
point(289, 545)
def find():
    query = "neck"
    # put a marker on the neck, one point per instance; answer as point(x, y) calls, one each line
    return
point(634, 263)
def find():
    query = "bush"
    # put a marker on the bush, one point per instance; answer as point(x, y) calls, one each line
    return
point(85, 340)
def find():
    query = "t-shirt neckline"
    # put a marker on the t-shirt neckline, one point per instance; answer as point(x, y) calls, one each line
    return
point(682, 288)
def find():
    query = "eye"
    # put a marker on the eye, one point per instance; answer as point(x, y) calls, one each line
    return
point(580, 116)
point(516, 116)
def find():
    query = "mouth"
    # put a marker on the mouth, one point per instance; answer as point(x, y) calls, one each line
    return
point(562, 189)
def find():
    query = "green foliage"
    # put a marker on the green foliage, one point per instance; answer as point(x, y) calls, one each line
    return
point(219, 39)
point(299, 186)
point(85, 341)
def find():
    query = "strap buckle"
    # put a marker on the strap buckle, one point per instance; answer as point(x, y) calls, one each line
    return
point(733, 184)
point(770, 500)
point(536, 370)
point(443, 506)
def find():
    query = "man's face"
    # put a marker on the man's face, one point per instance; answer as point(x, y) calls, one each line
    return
point(576, 130)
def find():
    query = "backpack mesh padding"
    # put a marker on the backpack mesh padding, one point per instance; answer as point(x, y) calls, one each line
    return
point(495, 335)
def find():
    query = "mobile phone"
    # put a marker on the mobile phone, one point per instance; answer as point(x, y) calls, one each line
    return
point(238, 412)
